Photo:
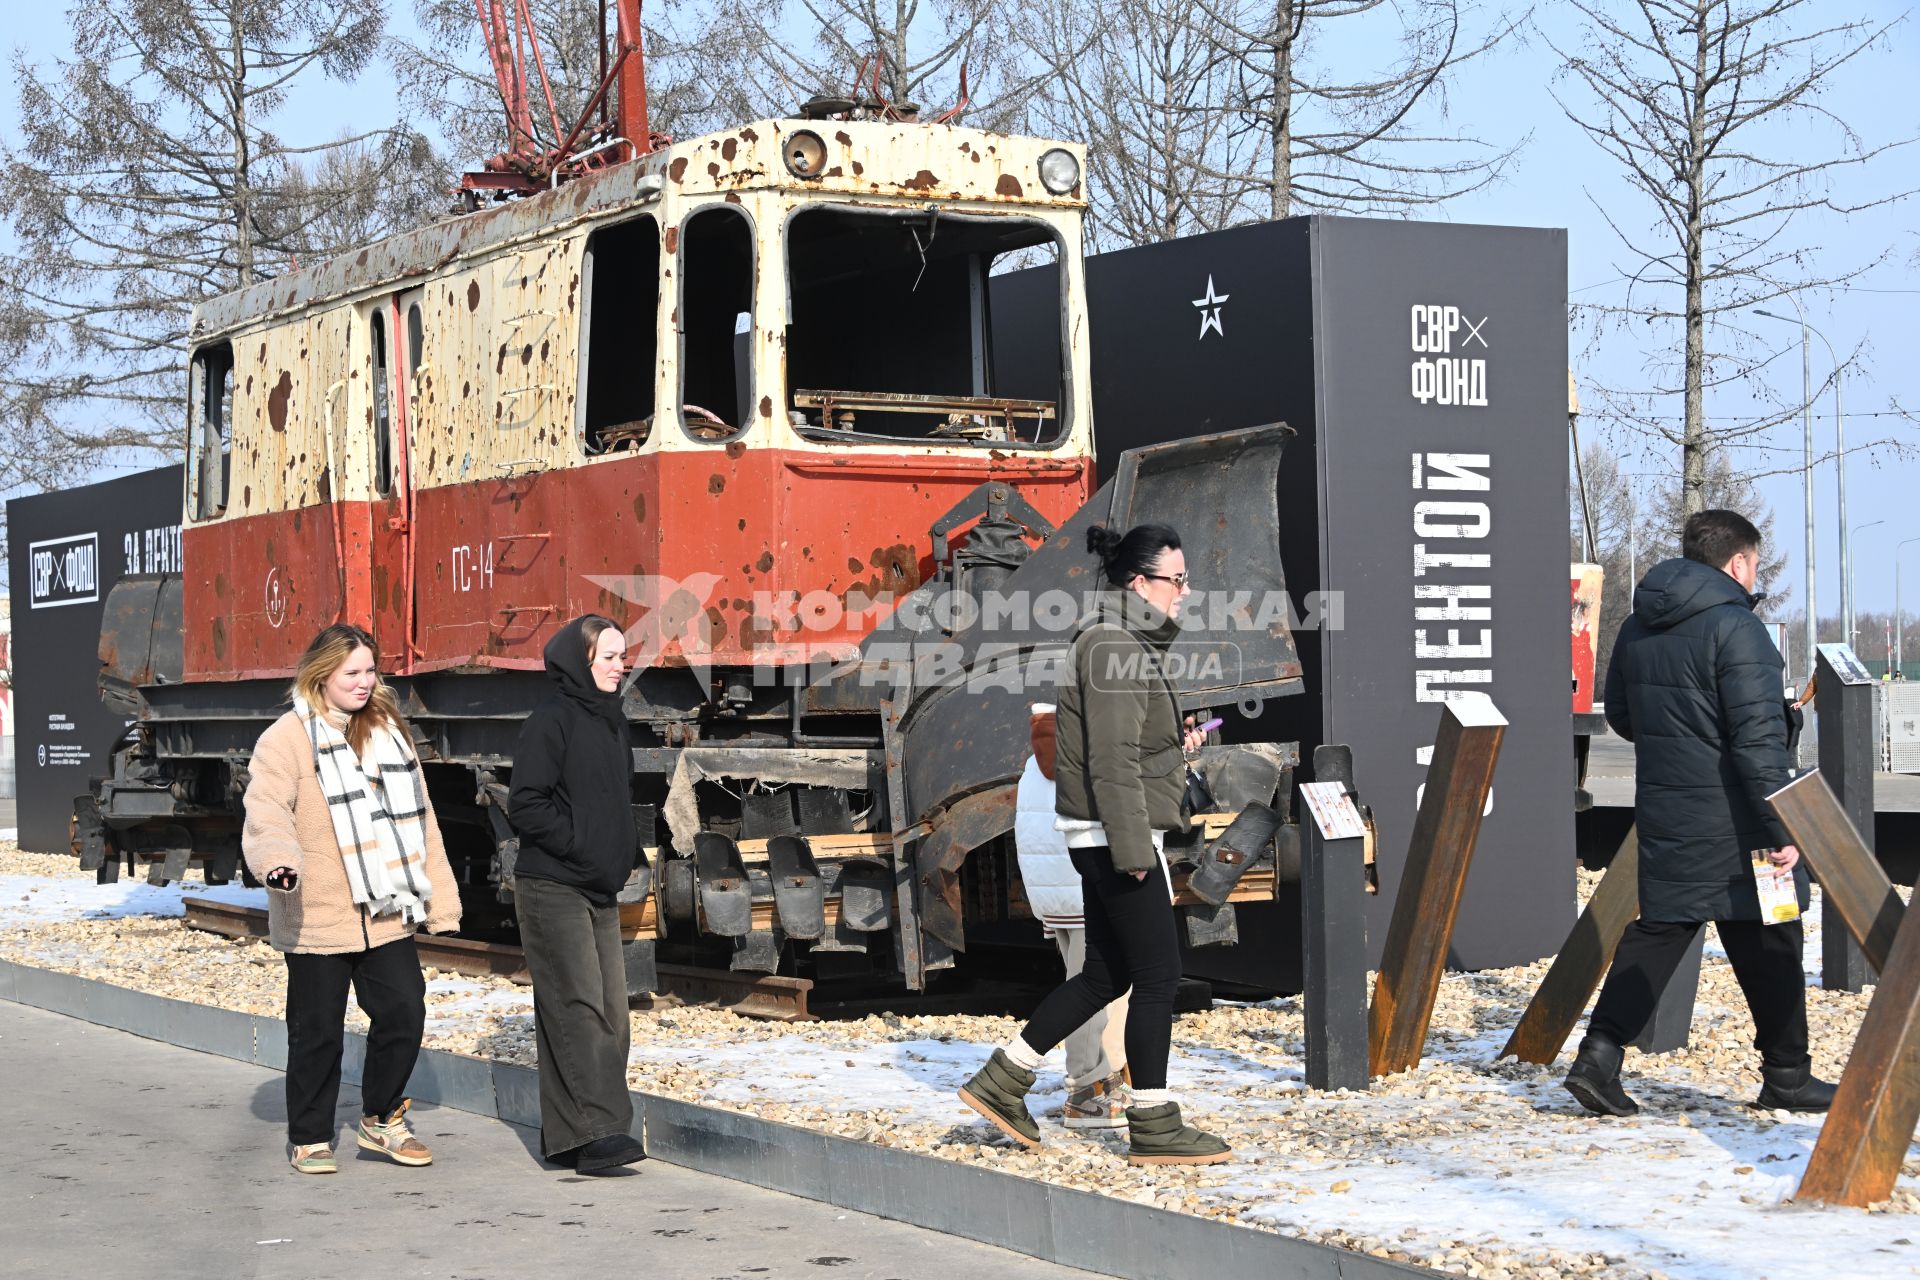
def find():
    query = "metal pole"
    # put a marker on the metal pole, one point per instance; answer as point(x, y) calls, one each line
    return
point(1840, 469)
point(1899, 620)
point(1633, 540)
point(1848, 638)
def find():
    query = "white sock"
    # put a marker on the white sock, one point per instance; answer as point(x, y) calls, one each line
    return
point(1022, 1054)
point(1152, 1097)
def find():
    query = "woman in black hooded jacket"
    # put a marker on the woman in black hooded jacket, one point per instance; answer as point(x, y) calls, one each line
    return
point(572, 788)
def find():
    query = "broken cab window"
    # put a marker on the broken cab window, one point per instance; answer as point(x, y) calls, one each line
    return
point(716, 322)
point(892, 332)
point(382, 404)
point(621, 280)
point(210, 430)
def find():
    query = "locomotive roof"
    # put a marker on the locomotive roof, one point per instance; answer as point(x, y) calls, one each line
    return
point(911, 162)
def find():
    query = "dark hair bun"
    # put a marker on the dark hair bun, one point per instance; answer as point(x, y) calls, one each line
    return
point(1103, 542)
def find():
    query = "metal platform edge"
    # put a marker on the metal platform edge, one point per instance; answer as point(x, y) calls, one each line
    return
point(1056, 1224)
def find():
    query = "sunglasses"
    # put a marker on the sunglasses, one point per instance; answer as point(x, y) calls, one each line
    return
point(1179, 580)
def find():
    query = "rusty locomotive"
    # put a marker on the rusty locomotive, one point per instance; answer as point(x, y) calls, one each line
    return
point(742, 394)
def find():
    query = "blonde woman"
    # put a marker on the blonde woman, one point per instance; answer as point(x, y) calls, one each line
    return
point(341, 831)
point(571, 798)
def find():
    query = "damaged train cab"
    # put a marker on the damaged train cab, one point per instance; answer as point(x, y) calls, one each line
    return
point(745, 395)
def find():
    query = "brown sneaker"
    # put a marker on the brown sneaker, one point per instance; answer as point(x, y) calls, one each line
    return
point(313, 1157)
point(1099, 1104)
point(393, 1137)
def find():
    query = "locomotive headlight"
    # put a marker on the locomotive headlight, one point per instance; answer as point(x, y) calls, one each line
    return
point(1059, 171)
point(805, 153)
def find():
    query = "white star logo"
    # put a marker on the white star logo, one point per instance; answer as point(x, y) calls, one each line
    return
point(1210, 310)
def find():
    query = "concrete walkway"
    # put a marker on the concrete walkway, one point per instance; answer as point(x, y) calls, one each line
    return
point(129, 1158)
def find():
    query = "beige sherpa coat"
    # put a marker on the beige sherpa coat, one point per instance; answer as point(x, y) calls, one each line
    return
point(288, 826)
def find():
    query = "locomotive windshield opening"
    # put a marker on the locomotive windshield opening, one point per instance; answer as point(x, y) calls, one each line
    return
point(209, 430)
point(716, 322)
point(891, 329)
point(621, 281)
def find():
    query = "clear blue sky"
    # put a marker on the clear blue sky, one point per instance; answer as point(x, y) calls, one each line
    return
point(1555, 183)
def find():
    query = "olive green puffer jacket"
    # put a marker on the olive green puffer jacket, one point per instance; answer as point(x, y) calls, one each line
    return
point(1120, 761)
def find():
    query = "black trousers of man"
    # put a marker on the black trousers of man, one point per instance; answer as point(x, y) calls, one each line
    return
point(1766, 960)
point(392, 992)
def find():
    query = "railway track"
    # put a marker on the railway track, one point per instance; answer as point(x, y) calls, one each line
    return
point(768, 997)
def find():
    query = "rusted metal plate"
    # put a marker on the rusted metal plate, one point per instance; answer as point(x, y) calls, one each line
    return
point(1581, 962)
point(1863, 1143)
point(1439, 855)
point(1853, 884)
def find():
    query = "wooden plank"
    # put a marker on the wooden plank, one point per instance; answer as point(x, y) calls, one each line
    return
point(1853, 885)
point(1439, 855)
point(1864, 1140)
point(1575, 975)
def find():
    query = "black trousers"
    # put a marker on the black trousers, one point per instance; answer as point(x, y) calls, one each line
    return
point(579, 1013)
point(392, 991)
point(1766, 960)
point(1132, 941)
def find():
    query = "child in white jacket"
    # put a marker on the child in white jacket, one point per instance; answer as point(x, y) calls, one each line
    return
point(1096, 1053)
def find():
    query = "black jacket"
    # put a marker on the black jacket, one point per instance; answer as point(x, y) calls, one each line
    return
point(1695, 684)
point(573, 780)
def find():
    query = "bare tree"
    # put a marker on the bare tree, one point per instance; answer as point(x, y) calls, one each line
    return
point(1698, 103)
point(148, 179)
point(1636, 526)
point(1331, 141)
point(1141, 86)
point(916, 51)
point(445, 75)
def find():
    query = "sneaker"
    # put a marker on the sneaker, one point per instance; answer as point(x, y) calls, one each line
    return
point(393, 1137)
point(1098, 1104)
point(608, 1153)
point(314, 1157)
point(1793, 1089)
point(998, 1091)
point(1594, 1079)
point(1157, 1135)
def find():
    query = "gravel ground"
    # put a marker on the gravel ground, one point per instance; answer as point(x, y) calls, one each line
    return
point(1499, 1128)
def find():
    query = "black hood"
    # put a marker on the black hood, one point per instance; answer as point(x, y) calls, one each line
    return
point(1675, 590)
point(568, 667)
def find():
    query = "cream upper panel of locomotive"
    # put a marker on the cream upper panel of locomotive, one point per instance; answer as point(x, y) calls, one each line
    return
point(491, 380)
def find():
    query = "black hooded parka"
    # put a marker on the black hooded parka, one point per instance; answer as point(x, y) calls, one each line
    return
point(573, 780)
point(1695, 683)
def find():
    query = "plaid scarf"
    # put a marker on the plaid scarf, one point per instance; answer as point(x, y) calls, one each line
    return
point(378, 803)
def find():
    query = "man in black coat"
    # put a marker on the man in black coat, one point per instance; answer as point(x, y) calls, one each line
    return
point(1696, 684)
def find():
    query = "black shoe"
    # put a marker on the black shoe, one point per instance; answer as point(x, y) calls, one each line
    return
point(565, 1159)
point(1793, 1089)
point(1594, 1080)
point(609, 1153)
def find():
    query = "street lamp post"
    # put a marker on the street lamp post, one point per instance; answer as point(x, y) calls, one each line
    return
point(1849, 581)
point(1899, 622)
point(1840, 466)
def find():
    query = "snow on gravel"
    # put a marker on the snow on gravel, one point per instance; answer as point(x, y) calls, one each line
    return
point(1470, 1165)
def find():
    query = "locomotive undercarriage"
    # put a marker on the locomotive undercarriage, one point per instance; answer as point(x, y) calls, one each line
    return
point(855, 813)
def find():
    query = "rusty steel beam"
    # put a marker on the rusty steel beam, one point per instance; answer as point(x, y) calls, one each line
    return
point(1864, 1140)
point(764, 996)
point(1576, 972)
point(1438, 857)
point(1853, 885)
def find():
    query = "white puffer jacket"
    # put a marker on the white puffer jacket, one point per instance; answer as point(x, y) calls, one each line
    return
point(1053, 886)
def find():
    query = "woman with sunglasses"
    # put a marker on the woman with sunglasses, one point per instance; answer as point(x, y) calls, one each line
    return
point(1120, 772)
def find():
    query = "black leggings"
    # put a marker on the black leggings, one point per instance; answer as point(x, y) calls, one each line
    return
point(1132, 941)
